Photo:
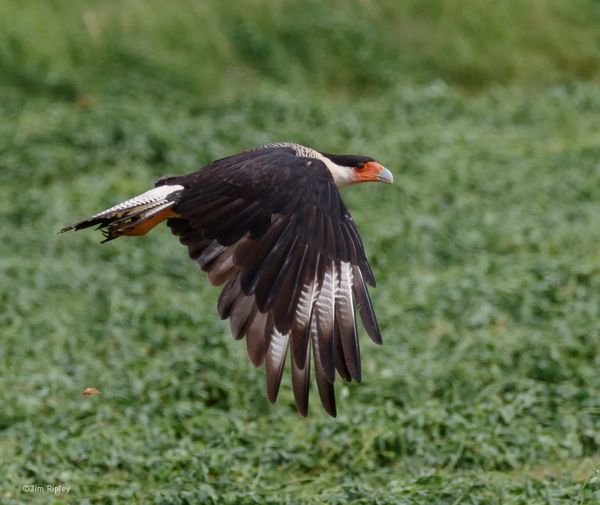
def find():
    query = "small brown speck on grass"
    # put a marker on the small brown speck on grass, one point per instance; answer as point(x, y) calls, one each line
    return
point(87, 392)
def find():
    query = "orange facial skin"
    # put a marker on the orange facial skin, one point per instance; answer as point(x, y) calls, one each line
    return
point(373, 172)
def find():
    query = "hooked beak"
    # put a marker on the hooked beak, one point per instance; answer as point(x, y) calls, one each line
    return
point(385, 176)
point(374, 172)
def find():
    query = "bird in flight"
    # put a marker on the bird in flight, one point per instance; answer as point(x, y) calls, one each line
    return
point(270, 226)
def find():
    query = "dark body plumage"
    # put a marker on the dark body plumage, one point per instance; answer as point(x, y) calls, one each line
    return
point(270, 226)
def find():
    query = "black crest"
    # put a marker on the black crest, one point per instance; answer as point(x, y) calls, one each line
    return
point(348, 160)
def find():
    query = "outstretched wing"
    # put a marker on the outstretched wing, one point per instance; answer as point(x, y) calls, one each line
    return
point(272, 227)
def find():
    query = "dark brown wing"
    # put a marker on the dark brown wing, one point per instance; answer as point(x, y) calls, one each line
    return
point(272, 227)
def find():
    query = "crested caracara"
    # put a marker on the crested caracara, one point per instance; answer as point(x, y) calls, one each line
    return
point(270, 226)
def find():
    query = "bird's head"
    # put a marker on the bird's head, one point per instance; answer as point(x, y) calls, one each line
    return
point(348, 169)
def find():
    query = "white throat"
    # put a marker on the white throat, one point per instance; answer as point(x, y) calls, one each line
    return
point(342, 176)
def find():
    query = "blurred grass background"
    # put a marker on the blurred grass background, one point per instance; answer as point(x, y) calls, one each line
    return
point(485, 249)
point(71, 47)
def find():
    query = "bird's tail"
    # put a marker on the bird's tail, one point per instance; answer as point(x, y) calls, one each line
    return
point(136, 216)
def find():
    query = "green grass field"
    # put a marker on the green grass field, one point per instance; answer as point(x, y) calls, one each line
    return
point(486, 251)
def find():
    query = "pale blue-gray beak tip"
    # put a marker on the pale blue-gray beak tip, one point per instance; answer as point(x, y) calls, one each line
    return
point(386, 176)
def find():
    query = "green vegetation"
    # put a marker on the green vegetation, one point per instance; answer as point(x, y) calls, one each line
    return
point(68, 47)
point(486, 251)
